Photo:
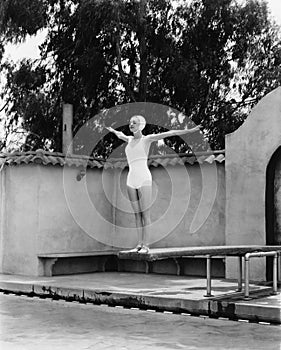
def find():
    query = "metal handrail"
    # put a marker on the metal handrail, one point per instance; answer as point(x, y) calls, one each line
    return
point(247, 269)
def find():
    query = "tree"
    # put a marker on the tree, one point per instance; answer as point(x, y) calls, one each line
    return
point(212, 60)
point(19, 18)
point(30, 101)
point(231, 52)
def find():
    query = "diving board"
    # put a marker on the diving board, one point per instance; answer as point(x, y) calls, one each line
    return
point(240, 251)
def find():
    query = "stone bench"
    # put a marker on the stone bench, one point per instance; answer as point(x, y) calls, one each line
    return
point(49, 260)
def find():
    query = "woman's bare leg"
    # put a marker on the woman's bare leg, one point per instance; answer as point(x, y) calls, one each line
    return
point(134, 199)
point(145, 195)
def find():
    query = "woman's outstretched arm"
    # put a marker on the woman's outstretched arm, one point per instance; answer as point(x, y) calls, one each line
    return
point(162, 135)
point(119, 134)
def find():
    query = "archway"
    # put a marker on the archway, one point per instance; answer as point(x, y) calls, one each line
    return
point(273, 205)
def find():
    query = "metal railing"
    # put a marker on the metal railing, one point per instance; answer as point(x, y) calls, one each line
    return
point(247, 257)
point(247, 269)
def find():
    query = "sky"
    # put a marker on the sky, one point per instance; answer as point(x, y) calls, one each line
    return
point(30, 49)
point(275, 8)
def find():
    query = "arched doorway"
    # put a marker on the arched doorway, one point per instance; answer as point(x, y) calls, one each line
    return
point(273, 205)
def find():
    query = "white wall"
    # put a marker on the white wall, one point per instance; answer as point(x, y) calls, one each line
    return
point(248, 151)
point(46, 210)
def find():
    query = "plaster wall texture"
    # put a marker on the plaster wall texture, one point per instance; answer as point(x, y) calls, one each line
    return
point(46, 210)
point(36, 219)
point(178, 216)
point(19, 219)
point(248, 152)
point(68, 220)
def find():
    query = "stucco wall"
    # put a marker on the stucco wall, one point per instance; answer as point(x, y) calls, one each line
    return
point(47, 210)
point(177, 191)
point(62, 201)
point(36, 218)
point(19, 219)
point(248, 151)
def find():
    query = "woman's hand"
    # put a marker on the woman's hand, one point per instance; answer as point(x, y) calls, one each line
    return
point(119, 134)
point(197, 128)
point(109, 128)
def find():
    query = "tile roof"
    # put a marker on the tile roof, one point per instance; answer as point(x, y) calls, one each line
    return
point(52, 158)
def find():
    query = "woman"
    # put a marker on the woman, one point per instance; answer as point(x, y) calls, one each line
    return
point(139, 180)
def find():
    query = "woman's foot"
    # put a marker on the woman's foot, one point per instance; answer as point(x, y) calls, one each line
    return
point(144, 250)
point(136, 249)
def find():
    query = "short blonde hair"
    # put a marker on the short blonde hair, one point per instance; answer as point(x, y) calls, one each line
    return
point(141, 120)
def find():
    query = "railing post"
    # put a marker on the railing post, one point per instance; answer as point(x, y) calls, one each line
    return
point(275, 260)
point(209, 282)
point(239, 289)
point(247, 262)
point(279, 267)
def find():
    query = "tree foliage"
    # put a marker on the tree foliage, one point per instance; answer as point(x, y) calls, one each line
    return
point(19, 18)
point(209, 59)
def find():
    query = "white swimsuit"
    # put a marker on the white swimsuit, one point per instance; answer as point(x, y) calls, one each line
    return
point(137, 154)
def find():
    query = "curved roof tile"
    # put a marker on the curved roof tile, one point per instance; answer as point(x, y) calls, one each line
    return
point(52, 158)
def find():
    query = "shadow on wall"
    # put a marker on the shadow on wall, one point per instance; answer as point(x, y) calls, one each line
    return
point(273, 206)
point(273, 199)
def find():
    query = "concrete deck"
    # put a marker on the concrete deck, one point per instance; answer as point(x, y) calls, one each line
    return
point(179, 294)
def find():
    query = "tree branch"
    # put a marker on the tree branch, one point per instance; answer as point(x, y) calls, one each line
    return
point(5, 105)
